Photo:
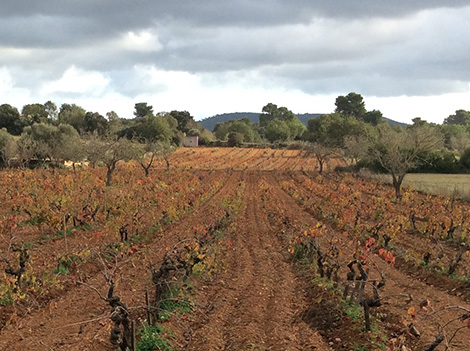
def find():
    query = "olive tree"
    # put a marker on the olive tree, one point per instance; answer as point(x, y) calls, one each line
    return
point(151, 151)
point(112, 150)
point(398, 150)
point(321, 152)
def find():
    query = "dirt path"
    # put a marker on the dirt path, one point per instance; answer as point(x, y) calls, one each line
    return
point(255, 304)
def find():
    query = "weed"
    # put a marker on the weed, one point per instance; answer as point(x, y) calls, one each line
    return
point(461, 278)
point(5, 297)
point(138, 238)
point(360, 348)
point(150, 339)
point(354, 311)
point(173, 301)
point(66, 264)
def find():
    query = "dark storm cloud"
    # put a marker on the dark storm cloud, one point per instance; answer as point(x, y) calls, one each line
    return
point(379, 47)
point(53, 23)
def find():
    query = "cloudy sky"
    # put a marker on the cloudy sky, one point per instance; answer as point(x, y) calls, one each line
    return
point(407, 58)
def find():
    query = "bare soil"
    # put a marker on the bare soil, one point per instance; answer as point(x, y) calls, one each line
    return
point(258, 299)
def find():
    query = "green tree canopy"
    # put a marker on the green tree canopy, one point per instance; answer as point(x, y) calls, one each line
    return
point(277, 130)
point(73, 115)
point(243, 126)
point(149, 128)
point(94, 122)
point(351, 105)
point(185, 120)
point(5, 139)
point(332, 129)
point(373, 117)
point(280, 124)
point(142, 109)
point(460, 117)
point(234, 139)
point(52, 141)
point(34, 113)
point(10, 119)
point(51, 110)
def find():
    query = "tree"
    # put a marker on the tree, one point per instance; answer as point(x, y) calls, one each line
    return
point(34, 113)
point(398, 150)
point(455, 136)
point(277, 131)
point(61, 143)
point(355, 146)
point(73, 115)
point(51, 110)
point(27, 147)
point(280, 124)
point(142, 110)
point(149, 128)
point(94, 122)
point(185, 120)
point(321, 152)
point(44, 137)
point(110, 151)
point(373, 117)
point(331, 129)
point(460, 117)
point(221, 130)
point(73, 150)
point(243, 126)
point(465, 158)
point(234, 139)
point(6, 142)
point(152, 150)
point(193, 132)
point(111, 116)
point(10, 119)
point(351, 105)
point(205, 137)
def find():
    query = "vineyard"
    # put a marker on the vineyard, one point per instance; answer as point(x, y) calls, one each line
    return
point(229, 249)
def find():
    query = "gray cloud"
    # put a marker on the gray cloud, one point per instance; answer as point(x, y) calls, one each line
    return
point(379, 48)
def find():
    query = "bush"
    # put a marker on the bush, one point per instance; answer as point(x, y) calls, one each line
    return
point(235, 139)
point(465, 159)
point(438, 161)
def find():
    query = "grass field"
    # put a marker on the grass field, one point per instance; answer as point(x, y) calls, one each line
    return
point(456, 185)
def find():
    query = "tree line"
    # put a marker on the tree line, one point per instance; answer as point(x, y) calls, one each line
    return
point(363, 138)
point(43, 133)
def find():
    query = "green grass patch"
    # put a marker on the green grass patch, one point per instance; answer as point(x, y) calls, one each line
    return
point(173, 301)
point(353, 310)
point(457, 185)
point(151, 339)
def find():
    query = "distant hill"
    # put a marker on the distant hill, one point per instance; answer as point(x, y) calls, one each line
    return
point(210, 122)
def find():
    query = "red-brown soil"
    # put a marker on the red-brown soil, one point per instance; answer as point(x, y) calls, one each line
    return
point(258, 298)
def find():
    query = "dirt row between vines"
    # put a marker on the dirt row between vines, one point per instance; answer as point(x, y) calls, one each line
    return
point(79, 319)
point(247, 159)
point(257, 301)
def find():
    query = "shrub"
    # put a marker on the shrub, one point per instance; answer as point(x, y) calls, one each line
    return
point(465, 158)
point(235, 139)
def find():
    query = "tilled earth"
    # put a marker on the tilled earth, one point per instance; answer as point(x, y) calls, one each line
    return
point(258, 299)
